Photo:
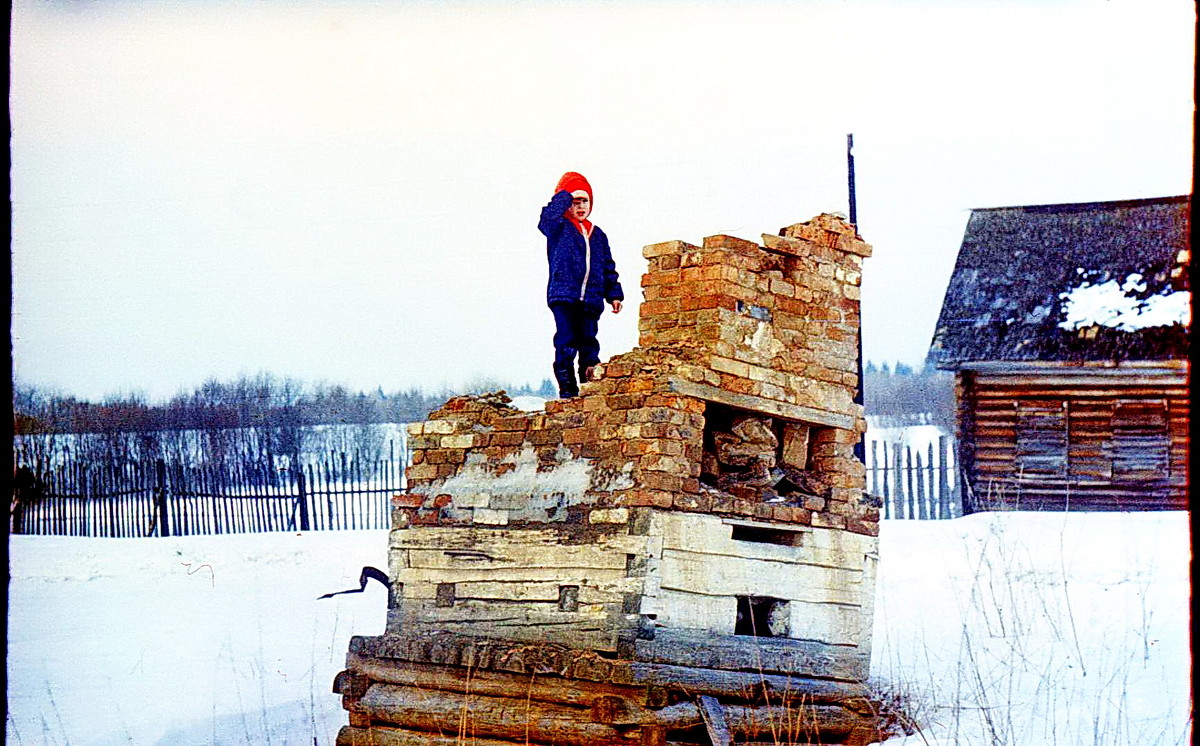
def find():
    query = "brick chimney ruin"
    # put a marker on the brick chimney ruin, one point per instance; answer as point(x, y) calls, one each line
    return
point(683, 551)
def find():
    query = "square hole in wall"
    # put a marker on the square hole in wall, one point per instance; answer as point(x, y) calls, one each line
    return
point(739, 450)
point(753, 455)
point(765, 535)
point(762, 616)
point(568, 598)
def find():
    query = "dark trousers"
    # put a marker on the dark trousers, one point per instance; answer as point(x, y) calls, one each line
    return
point(575, 329)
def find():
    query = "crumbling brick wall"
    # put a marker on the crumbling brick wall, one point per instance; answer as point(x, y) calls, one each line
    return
point(728, 330)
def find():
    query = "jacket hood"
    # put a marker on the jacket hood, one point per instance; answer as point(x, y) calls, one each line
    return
point(573, 182)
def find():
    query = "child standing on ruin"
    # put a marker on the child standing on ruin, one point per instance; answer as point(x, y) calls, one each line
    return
point(583, 277)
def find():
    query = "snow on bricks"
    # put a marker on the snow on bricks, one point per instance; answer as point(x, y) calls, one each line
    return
point(696, 513)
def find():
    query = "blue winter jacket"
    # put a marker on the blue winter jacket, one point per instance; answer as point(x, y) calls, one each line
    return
point(574, 275)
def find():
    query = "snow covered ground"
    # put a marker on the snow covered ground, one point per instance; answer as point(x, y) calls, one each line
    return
point(1038, 628)
point(996, 629)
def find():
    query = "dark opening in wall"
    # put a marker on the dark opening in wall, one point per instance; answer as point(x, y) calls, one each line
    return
point(739, 451)
point(762, 616)
point(754, 456)
point(764, 535)
point(568, 598)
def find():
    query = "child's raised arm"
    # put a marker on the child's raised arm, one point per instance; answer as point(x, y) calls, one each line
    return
point(554, 214)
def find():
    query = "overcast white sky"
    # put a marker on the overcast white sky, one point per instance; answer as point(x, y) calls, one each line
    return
point(348, 192)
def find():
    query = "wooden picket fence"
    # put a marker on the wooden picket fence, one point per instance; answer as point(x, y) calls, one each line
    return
point(155, 498)
point(912, 484)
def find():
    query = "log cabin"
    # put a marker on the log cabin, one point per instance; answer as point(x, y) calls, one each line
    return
point(1067, 327)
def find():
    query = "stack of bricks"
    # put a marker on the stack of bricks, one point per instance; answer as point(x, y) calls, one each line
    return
point(768, 329)
point(778, 321)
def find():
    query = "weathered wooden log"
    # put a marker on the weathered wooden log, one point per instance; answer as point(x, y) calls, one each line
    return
point(614, 710)
point(380, 736)
point(781, 723)
point(694, 648)
point(751, 685)
point(847, 742)
point(478, 653)
point(821, 674)
point(434, 716)
point(597, 629)
point(714, 721)
point(473, 716)
point(541, 688)
point(738, 685)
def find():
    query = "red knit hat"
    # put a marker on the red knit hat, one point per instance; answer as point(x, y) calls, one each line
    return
point(574, 182)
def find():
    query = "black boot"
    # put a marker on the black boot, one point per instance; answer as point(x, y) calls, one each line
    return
point(565, 376)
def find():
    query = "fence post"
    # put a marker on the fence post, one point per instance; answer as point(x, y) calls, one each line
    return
point(922, 507)
point(86, 504)
point(908, 479)
point(897, 483)
point(160, 497)
point(872, 482)
point(886, 480)
point(302, 498)
point(943, 483)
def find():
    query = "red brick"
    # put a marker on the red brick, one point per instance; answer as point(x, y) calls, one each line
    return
point(658, 307)
point(544, 437)
point(506, 424)
point(635, 447)
point(868, 528)
point(644, 499)
point(426, 517)
point(693, 503)
point(659, 481)
point(408, 500)
point(508, 438)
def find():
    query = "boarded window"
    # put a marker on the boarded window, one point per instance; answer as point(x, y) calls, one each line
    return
point(1140, 441)
point(1091, 441)
point(1041, 448)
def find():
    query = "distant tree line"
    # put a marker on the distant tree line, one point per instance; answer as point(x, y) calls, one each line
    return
point(899, 395)
point(897, 392)
point(252, 417)
point(245, 402)
point(248, 418)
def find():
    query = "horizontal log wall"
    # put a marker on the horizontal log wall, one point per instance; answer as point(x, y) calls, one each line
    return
point(1054, 443)
point(604, 589)
point(563, 584)
point(826, 577)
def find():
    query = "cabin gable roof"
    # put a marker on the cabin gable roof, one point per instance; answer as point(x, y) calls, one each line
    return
point(1072, 283)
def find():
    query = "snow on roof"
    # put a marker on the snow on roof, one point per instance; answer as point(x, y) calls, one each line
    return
point(1116, 305)
point(1097, 281)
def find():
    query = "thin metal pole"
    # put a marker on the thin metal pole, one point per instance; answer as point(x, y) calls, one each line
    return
point(850, 172)
point(860, 449)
